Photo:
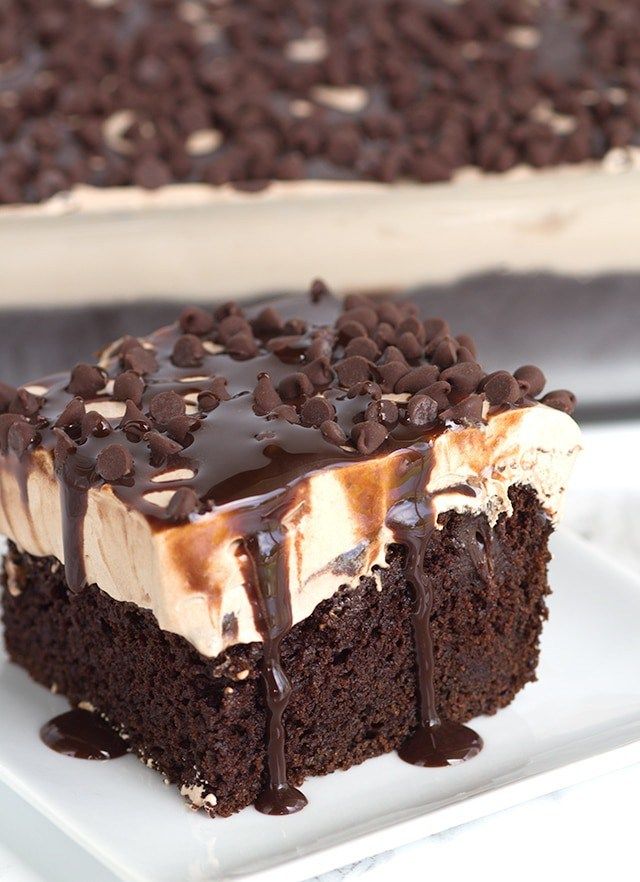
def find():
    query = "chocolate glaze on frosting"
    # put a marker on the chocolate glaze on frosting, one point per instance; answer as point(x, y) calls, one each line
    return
point(233, 409)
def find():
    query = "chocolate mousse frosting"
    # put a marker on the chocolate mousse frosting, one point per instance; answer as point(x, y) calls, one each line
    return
point(148, 93)
point(228, 471)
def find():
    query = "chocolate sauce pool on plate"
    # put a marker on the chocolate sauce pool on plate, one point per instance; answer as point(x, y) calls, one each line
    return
point(83, 735)
point(436, 742)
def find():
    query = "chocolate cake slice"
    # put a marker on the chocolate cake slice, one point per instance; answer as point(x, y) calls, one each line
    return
point(272, 542)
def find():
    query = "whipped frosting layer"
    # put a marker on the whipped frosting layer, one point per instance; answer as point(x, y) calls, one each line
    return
point(193, 576)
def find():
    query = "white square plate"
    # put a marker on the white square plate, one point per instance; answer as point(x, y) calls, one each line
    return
point(580, 719)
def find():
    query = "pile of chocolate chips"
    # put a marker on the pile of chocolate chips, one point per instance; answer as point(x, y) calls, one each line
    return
point(150, 92)
point(375, 369)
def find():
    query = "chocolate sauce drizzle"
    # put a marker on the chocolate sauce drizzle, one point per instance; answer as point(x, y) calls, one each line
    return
point(272, 612)
point(436, 742)
point(74, 486)
point(83, 735)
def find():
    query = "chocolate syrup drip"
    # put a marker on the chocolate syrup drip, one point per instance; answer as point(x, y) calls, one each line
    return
point(83, 735)
point(272, 612)
point(436, 742)
point(74, 482)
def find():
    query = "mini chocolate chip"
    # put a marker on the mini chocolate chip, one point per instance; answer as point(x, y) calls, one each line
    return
point(363, 346)
point(285, 412)
point(445, 353)
point(463, 378)
point(7, 394)
point(226, 309)
point(25, 403)
point(392, 353)
point(321, 347)
point(194, 320)
point(318, 291)
point(531, 379)
point(218, 386)
point(232, 325)
point(72, 415)
point(267, 323)
point(20, 436)
point(366, 387)
point(86, 380)
point(94, 423)
point(413, 326)
point(435, 327)
point(64, 448)
point(114, 463)
point(560, 399)
point(439, 391)
point(417, 379)
point(265, 397)
point(127, 344)
point(368, 436)
point(141, 361)
point(467, 343)
point(151, 173)
point(353, 301)
point(384, 411)
point(180, 427)
point(284, 343)
point(333, 433)
point(502, 388)
point(165, 406)
point(161, 447)
point(134, 423)
point(242, 346)
point(363, 315)
point(128, 385)
point(316, 411)
point(183, 503)
point(351, 330)
point(295, 385)
point(319, 371)
point(384, 335)
point(421, 410)
point(207, 401)
point(188, 351)
point(390, 374)
point(295, 326)
point(464, 354)
point(389, 314)
point(352, 370)
point(230, 625)
point(467, 412)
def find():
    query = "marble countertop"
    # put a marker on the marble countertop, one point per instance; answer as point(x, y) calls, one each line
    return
point(587, 830)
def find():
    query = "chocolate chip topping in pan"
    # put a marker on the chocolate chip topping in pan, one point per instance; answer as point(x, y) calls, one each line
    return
point(402, 89)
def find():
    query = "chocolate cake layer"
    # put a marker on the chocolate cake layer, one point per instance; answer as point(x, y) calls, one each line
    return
point(149, 93)
point(351, 664)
